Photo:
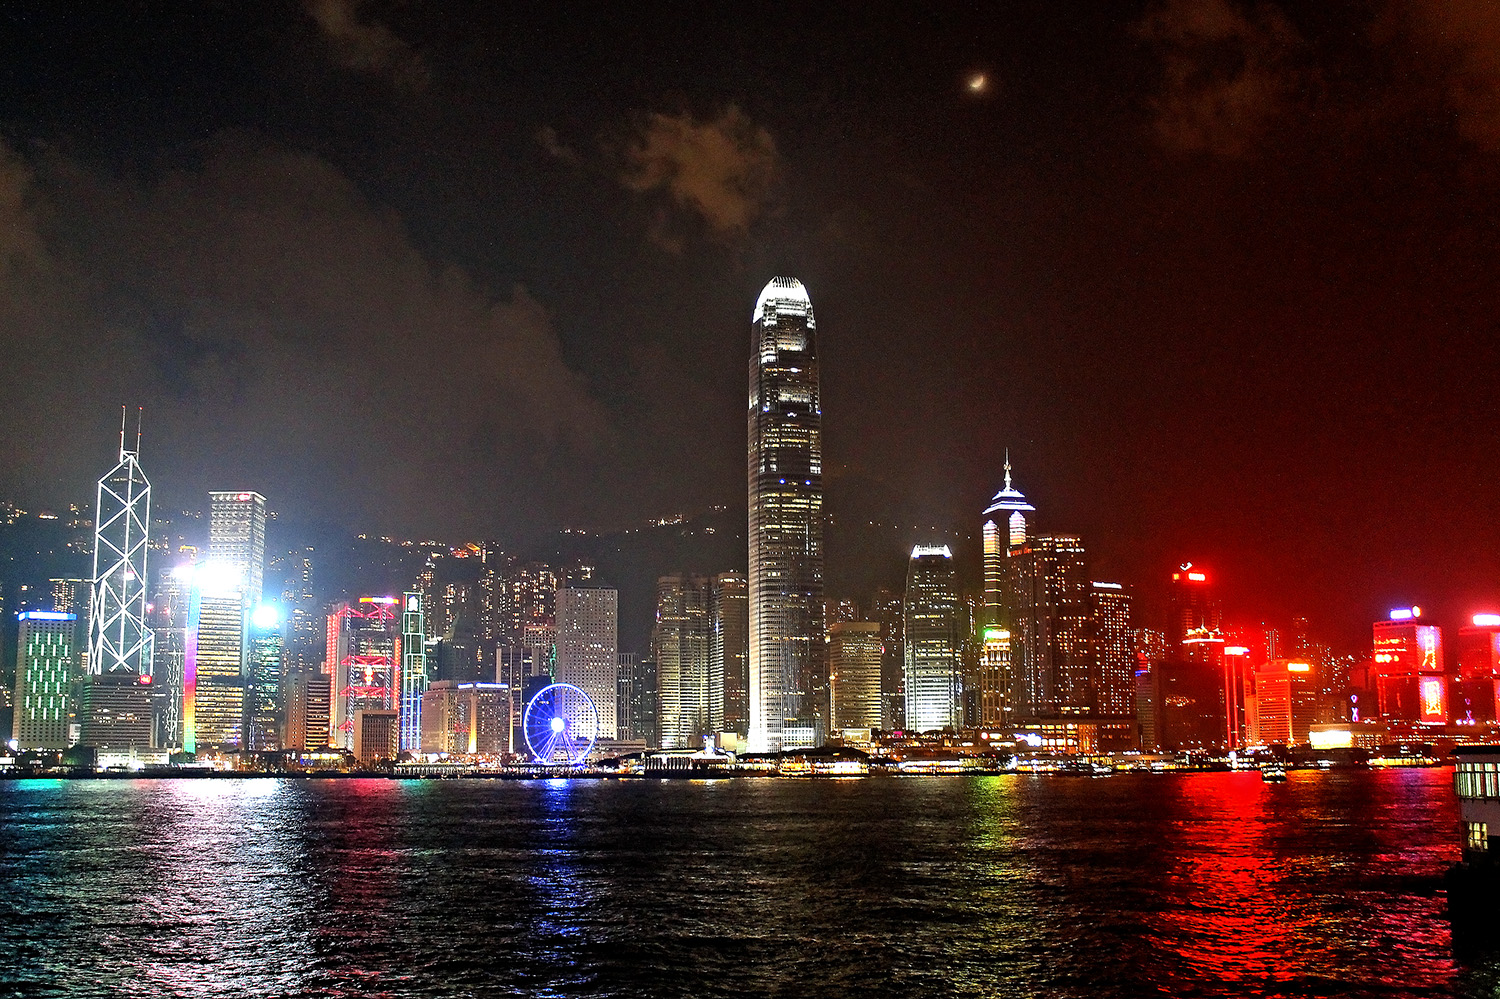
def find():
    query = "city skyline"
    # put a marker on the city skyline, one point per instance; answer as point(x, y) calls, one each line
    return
point(1042, 657)
point(969, 552)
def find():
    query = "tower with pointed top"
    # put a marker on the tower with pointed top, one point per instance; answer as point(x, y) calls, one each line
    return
point(1004, 530)
point(788, 679)
point(119, 640)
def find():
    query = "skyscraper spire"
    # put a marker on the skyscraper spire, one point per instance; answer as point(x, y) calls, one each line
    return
point(1004, 531)
point(119, 641)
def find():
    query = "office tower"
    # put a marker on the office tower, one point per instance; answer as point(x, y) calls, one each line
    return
point(885, 607)
point(171, 599)
point(525, 670)
point(1004, 529)
point(854, 661)
point(729, 655)
point(490, 594)
point(309, 710)
point(1111, 649)
point(786, 521)
point(304, 624)
point(1150, 655)
point(296, 569)
point(588, 654)
point(1240, 724)
point(468, 719)
point(1475, 690)
point(119, 640)
point(1284, 703)
point(1045, 607)
point(214, 656)
point(1194, 606)
point(528, 595)
point(1191, 684)
point(114, 713)
point(46, 667)
point(237, 538)
point(374, 732)
point(1408, 666)
point(638, 700)
point(995, 681)
point(362, 640)
point(413, 670)
point(680, 641)
point(455, 608)
point(440, 732)
point(213, 688)
point(931, 629)
point(971, 617)
point(265, 673)
point(427, 586)
point(69, 596)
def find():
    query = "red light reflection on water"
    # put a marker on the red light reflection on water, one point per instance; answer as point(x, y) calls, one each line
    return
point(1297, 883)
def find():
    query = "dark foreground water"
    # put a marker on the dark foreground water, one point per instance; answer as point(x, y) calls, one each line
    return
point(1184, 885)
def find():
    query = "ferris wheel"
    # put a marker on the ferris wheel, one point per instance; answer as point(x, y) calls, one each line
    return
point(561, 724)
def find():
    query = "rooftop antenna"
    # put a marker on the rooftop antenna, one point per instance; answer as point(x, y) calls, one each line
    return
point(122, 433)
point(1007, 468)
point(140, 414)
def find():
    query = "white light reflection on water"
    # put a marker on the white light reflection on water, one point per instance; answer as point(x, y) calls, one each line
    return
point(227, 898)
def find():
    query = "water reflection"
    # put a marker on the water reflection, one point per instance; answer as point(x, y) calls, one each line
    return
point(1209, 885)
point(1259, 888)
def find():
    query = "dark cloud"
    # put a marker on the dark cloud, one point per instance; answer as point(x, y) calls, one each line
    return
point(261, 298)
point(1460, 41)
point(548, 139)
point(20, 244)
point(368, 46)
point(1228, 73)
point(722, 171)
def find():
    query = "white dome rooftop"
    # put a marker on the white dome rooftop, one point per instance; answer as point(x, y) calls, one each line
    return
point(783, 291)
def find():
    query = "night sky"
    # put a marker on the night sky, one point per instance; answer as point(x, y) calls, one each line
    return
point(1221, 276)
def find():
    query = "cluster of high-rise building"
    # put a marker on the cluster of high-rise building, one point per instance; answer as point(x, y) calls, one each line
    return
point(197, 657)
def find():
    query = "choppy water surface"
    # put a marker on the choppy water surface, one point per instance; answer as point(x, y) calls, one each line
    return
point(1183, 885)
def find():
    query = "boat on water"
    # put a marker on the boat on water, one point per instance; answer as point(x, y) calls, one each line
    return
point(1273, 772)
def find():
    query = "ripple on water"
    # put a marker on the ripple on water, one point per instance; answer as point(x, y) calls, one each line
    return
point(1204, 884)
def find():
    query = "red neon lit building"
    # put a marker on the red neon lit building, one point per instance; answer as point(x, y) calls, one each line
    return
point(1408, 665)
point(1478, 687)
point(364, 650)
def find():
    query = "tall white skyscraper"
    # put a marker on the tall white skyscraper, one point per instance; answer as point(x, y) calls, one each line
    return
point(588, 654)
point(119, 640)
point(227, 590)
point(932, 640)
point(788, 679)
point(237, 537)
